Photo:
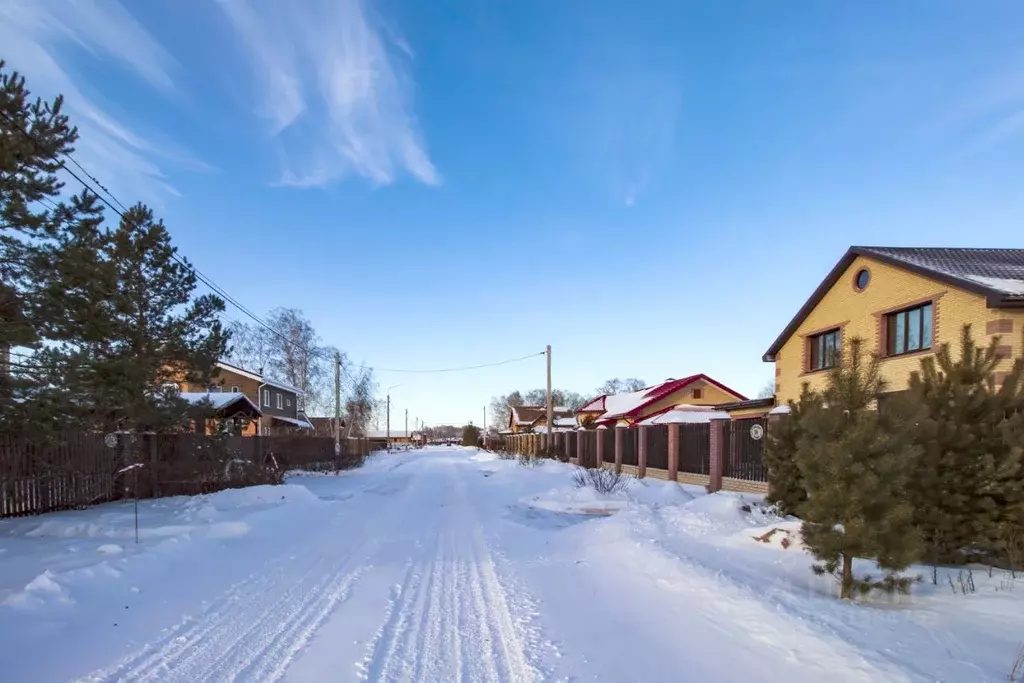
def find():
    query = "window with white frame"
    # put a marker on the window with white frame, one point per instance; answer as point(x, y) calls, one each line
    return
point(235, 390)
point(279, 402)
point(266, 397)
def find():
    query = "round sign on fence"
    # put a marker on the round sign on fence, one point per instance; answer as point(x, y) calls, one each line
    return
point(756, 432)
point(110, 440)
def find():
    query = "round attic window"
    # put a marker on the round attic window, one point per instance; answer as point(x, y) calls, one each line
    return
point(862, 279)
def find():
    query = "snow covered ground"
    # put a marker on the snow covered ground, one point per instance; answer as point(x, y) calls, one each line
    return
point(448, 564)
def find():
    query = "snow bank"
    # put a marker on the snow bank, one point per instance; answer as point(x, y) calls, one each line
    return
point(260, 495)
point(578, 501)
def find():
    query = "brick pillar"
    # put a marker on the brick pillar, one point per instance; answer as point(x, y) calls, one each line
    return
point(620, 433)
point(579, 450)
point(673, 452)
point(600, 449)
point(641, 458)
point(717, 447)
point(566, 447)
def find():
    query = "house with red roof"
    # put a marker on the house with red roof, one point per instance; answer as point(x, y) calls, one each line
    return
point(632, 407)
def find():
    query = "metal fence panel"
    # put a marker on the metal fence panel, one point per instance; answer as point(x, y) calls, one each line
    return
point(695, 448)
point(657, 446)
point(744, 449)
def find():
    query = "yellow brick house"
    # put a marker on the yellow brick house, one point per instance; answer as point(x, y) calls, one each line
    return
point(904, 303)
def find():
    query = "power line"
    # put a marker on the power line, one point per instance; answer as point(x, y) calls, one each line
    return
point(217, 289)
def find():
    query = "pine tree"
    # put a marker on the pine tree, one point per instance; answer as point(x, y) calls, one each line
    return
point(969, 474)
point(146, 329)
point(35, 226)
point(856, 464)
point(785, 484)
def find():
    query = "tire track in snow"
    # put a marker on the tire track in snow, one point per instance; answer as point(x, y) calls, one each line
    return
point(255, 628)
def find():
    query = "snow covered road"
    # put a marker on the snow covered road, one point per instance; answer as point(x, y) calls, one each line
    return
point(436, 565)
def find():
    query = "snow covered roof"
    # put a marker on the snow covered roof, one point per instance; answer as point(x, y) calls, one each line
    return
point(630, 403)
point(219, 399)
point(686, 415)
point(527, 415)
point(566, 422)
point(305, 424)
point(383, 434)
point(281, 384)
point(779, 410)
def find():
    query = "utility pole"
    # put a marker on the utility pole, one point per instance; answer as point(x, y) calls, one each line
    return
point(407, 423)
point(485, 419)
point(337, 404)
point(389, 423)
point(551, 408)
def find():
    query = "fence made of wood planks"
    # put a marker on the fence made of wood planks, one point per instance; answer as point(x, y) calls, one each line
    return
point(73, 470)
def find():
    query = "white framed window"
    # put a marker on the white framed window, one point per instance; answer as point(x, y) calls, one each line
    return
point(235, 390)
point(288, 402)
point(280, 402)
point(266, 397)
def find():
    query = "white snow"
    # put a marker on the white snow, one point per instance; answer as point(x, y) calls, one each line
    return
point(686, 415)
point(451, 564)
point(219, 399)
point(1014, 287)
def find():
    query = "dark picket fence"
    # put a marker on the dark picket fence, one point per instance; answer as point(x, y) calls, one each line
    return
point(744, 449)
point(73, 470)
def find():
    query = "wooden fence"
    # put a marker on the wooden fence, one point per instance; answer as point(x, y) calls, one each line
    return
point(73, 470)
point(735, 459)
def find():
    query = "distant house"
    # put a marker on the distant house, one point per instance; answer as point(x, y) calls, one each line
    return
point(324, 426)
point(277, 401)
point(524, 419)
point(397, 436)
point(904, 303)
point(630, 408)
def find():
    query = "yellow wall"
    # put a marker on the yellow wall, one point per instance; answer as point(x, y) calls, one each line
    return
point(710, 396)
point(890, 287)
point(741, 413)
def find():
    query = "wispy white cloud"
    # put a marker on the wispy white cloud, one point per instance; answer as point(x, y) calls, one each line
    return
point(45, 40)
point(335, 87)
point(989, 111)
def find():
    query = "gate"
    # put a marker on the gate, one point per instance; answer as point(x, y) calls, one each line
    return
point(695, 448)
point(607, 437)
point(588, 442)
point(657, 446)
point(744, 449)
point(629, 446)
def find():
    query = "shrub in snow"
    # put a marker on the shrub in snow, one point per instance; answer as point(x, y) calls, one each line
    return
point(968, 486)
point(528, 460)
point(601, 480)
point(856, 465)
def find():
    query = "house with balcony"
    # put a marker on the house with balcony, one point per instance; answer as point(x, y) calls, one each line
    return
point(276, 401)
point(904, 303)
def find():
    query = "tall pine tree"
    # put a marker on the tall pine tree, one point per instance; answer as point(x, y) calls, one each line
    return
point(966, 463)
point(855, 465)
point(145, 329)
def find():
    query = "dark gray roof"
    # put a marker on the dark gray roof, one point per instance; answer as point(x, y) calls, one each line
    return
point(999, 270)
point(996, 274)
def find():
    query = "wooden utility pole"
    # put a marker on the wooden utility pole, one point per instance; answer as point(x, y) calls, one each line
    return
point(337, 404)
point(388, 424)
point(551, 407)
point(407, 423)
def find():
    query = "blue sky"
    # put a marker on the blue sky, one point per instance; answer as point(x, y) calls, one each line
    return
point(653, 188)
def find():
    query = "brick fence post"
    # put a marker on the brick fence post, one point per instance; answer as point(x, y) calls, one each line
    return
point(599, 449)
point(673, 452)
point(641, 456)
point(717, 448)
point(579, 451)
point(567, 446)
point(619, 433)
